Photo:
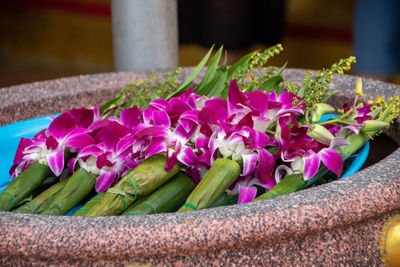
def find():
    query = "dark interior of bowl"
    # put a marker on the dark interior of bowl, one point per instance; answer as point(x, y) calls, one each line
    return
point(380, 147)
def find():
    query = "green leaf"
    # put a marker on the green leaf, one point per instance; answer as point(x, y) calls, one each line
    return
point(272, 84)
point(112, 103)
point(210, 73)
point(279, 72)
point(240, 65)
point(217, 86)
point(192, 75)
point(301, 91)
point(328, 95)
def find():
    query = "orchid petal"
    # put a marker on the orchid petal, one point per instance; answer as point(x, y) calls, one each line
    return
point(311, 166)
point(215, 110)
point(99, 124)
point(249, 163)
point(265, 167)
point(104, 181)
point(156, 145)
point(257, 139)
point(51, 143)
point(286, 98)
point(111, 134)
point(171, 160)
point(160, 104)
point(124, 144)
point(187, 157)
point(235, 97)
point(130, 117)
point(332, 160)
point(279, 172)
point(353, 128)
point(103, 161)
point(23, 143)
point(189, 119)
point(79, 141)
point(258, 101)
point(246, 194)
point(161, 118)
point(94, 150)
point(61, 126)
point(338, 142)
point(183, 135)
point(56, 162)
point(72, 163)
point(83, 117)
point(154, 131)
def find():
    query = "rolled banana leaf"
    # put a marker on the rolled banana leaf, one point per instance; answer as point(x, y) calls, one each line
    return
point(23, 185)
point(141, 181)
point(42, 200)
point(88, 205)
point(165, 199)
point(220, 176)
point(79, 185)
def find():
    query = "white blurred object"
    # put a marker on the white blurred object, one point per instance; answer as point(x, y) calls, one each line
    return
point(145, 34)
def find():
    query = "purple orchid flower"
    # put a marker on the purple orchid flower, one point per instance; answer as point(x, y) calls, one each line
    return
point(361, 114)
point(106, 156)
point(265, 107)
point(67, 132)
point(307, 161)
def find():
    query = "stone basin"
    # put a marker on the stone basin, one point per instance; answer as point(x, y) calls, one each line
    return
point(332, 224)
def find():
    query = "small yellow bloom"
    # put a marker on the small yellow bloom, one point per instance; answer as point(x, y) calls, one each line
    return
point(359, 87)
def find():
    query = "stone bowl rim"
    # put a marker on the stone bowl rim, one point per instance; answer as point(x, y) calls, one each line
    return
point(301, 213)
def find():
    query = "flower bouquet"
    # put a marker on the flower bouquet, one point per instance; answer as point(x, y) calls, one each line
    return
point(242, 134)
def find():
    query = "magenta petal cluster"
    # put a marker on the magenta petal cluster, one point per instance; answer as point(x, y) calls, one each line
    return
point(67, 133)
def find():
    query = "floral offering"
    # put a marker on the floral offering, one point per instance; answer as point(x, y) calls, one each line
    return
point(243, 134)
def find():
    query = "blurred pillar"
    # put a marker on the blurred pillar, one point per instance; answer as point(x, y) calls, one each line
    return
point(145, 34)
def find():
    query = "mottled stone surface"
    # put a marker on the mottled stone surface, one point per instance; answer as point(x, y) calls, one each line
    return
point(333, 224)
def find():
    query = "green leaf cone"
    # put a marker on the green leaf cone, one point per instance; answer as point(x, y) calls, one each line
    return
point(88, 205)
point(165, 199)
point(79, 185)
point(42, 200)
point(144, 179)
point(23, 185)
point(220, 176)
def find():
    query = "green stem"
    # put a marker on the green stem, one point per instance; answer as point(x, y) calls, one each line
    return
point(23, 185)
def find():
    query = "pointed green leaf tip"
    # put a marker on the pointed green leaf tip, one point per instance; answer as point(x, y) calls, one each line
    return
point(185, 85)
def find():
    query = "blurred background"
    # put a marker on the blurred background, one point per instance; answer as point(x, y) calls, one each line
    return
point(46, 39)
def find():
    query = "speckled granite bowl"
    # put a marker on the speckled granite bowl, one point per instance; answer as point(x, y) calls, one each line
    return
point(337, 223)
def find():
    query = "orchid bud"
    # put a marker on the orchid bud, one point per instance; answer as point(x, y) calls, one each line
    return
point(359, 87)
point(320, 109)
point(374, 125)
point(320, 134)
